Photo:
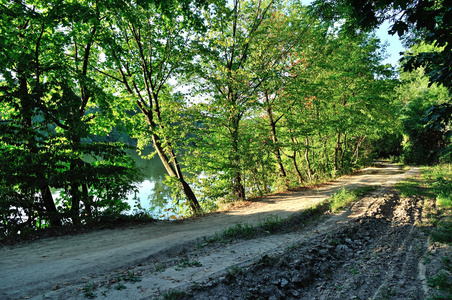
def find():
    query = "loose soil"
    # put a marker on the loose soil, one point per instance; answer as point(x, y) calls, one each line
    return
point(373, 250)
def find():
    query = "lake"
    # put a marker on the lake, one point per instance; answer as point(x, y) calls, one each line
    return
point(153, 196)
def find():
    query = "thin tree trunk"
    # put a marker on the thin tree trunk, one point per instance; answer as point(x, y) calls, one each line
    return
point(174, 171)
point(343, 150)
point(336, 150)
point(295, 165)
point(306, 157)
point(282, 171)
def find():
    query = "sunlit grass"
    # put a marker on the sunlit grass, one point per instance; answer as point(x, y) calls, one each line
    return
point(439, 181)
point(434, 183)
point(344, 197)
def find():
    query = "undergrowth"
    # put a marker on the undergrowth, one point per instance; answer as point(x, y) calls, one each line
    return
point(344, 197)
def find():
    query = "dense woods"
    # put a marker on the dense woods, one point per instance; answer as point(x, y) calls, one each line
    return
point(254, 96)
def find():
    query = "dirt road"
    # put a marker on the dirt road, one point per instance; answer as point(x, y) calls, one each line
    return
point(164, 254)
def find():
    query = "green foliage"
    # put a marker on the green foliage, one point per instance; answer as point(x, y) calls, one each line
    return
point(443, 232)
point(422, 143)
point(186, 263)
point(341, 199)
point(344, 197)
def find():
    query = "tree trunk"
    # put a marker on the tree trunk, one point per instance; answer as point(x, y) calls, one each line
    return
point(282, 171)
point(336, 151)
point(295, 165)
point(174, 171)
point(86, 201)
point(306, 157)
point(343, 150)
point(49, 204)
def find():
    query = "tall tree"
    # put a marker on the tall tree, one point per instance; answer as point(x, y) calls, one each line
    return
point(242, 51)
point(146, 48)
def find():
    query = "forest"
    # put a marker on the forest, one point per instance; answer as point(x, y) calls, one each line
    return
point(238, 99)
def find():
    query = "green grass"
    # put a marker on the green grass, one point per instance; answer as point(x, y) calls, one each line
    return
point(409, 187)
point(438, 180)
point(344, 197)
point(443, 232)
point(274, 224)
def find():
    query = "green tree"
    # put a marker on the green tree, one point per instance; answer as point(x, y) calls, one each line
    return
point(423, 143)
point(46, 92)
point(242, 51)
point(145, 49)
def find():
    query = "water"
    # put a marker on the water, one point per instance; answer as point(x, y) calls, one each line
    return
point(152, 195)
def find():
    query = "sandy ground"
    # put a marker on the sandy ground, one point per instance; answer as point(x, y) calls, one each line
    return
point(107, 263)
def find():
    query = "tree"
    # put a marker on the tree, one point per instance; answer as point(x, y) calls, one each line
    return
point(48, 100)
point(424, 20)
point(240, 53)
point(424, 138)
point(145, 49)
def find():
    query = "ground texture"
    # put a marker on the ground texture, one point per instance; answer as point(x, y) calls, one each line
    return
point(373, 250)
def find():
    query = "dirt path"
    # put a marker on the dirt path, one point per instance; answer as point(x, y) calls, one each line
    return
point(163, 255)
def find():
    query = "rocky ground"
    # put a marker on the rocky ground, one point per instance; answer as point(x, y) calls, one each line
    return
point(378, 252)
point(377, 249)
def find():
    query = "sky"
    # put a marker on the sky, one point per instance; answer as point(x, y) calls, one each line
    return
point(395, 46)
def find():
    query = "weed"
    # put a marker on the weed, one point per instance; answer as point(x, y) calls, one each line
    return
point(185, 263)
point(443, 233)
point(234, 271)
point(271, 224)
point(174, 295)
point(240, 230)
point(447, 262)
point(341, 199)
point(409, 187)
point(159, 268)
point(120, 286)
point(292, 246)
point(131, 277)
point(440, 282)
point(88, 290)
point(266, 260)
point(354, 270)
point(386, 292)
point(197, 286)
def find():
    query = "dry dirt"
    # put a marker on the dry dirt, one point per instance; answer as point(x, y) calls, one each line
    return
point(371, 251)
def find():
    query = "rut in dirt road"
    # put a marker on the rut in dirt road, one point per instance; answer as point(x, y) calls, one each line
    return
point(375, 254)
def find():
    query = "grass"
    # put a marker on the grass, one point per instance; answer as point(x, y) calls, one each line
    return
point(274, 224)
point(435, 184)
point(88, 290)
point(174, 295)
point(186, 263)
point(344, 197)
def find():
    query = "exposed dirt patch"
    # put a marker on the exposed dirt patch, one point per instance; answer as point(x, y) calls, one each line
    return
point(373, 250)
